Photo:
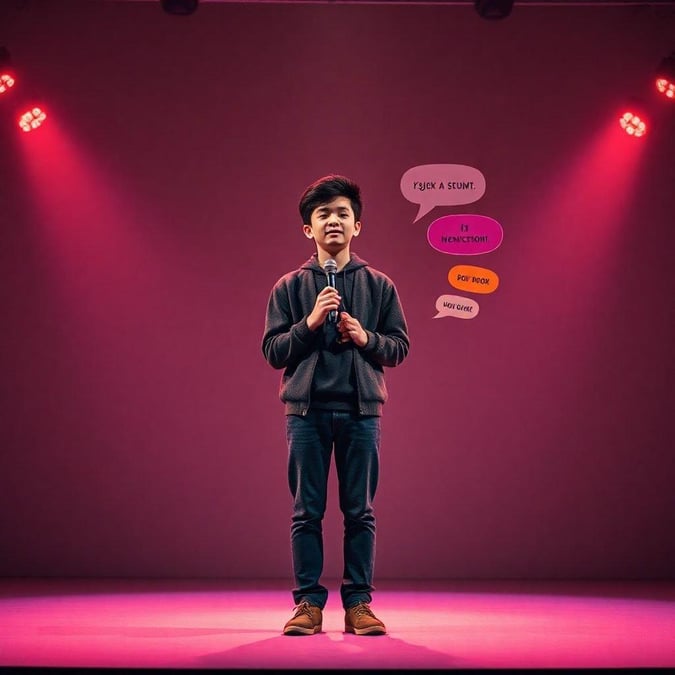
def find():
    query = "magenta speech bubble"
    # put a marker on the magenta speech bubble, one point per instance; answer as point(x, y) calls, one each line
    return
point(465, 234)
point(431, 185)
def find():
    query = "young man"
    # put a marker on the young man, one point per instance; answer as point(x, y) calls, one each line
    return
point(333, 340)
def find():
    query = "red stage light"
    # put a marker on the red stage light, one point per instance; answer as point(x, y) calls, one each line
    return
point(6, 82)
point(32, 119)
point(665, 77)
point(666, 87)
point(633, 124)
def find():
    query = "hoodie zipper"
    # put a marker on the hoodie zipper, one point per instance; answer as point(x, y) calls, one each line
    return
point(356, 355)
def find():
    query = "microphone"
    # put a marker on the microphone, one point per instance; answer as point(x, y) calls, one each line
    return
point(330, 268)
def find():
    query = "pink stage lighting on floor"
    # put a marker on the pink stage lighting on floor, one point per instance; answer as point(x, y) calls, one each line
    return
point(633, 124)
point(32, 119)
point(665, 77)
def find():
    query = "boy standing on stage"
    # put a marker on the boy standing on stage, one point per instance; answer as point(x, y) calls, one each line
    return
point(333, 334)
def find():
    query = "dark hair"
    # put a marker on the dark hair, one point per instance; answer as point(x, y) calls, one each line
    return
point(325, 190)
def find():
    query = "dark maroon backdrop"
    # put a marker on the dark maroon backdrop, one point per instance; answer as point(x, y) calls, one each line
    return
point(144, 225)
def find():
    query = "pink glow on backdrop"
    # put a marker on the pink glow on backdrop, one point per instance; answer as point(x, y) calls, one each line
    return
point(581, 221)
point(582, 211)
point(567, 266)
point(86, 228)
point(116, 287)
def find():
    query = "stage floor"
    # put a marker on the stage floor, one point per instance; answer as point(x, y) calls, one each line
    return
point(207, 624)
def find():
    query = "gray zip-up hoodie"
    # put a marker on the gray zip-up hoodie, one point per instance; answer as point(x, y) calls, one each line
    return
point(289, 343)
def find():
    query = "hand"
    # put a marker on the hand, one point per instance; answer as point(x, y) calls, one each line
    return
point(351, 329)
point(327, 301)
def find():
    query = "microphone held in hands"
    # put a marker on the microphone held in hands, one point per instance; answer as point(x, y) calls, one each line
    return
point(330, 268)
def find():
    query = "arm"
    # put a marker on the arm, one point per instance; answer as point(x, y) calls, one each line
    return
point(287, 341)
point(389, 344)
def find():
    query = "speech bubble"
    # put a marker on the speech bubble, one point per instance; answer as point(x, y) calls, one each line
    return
point(473, 279)
point(456, 306)
point(431, 185)
point(465, 234)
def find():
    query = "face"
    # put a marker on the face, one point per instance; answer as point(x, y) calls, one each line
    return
point(333, 226)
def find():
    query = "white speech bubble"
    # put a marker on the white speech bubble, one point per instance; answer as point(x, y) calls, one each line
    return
point(431, 185)
point(456, 306)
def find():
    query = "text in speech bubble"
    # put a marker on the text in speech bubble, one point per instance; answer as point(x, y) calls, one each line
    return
point(473, 279)
point(456, 306)
point(431, 185)
point(465, 234)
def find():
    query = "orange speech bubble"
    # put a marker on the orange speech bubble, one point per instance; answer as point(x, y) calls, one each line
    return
point(473, 279)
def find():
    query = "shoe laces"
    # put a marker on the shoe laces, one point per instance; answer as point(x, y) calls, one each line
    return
point(362, 608)
point(303, 608)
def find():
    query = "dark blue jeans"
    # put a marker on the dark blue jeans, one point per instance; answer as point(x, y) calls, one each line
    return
point(312, 440)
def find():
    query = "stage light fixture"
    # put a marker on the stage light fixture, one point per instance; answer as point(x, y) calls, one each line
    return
point(633, 123)
point(6, 82)
point(32, 119)
point(179, 6)
point(32, 116)
point(493, 9)
point(665, 77)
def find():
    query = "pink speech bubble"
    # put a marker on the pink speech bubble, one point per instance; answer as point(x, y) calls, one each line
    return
point(465, 234)
point(431, 185)
point(456, 306)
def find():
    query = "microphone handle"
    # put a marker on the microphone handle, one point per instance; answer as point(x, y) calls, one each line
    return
point(332, 315)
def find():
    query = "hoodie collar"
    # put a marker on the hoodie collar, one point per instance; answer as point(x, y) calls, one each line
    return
point(354, 263)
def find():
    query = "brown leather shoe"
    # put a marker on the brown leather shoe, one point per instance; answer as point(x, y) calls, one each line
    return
point(305, 621)
point(360, 620)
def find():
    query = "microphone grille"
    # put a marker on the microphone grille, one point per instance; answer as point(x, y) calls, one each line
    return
point(330, 266)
